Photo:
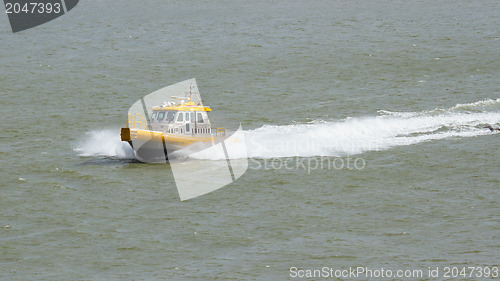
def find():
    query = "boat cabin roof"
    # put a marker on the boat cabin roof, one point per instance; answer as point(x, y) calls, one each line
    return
point(188, 106)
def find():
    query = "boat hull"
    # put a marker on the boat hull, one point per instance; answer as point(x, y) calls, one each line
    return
point(155, 146)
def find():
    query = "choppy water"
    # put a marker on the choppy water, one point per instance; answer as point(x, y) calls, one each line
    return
point(407, 87)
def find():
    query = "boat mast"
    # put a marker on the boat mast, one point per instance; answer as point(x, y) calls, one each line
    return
point(196, 94)
point(189, 96)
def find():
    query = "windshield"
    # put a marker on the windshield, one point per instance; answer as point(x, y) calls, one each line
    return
point(160, 116)
point(165, 116)
point(170, 116)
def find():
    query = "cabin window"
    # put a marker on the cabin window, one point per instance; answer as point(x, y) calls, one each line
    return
point(153, 117)
point(187, 116)
point(192, 117)
point(160, 117)
point(199, 117)
point(180, 117)
point(170, 116)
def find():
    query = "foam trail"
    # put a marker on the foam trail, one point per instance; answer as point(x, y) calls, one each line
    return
point(105, 143)
point(357, 135)
point(349, 136)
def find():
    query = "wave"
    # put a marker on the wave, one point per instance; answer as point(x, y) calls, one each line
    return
point(104, 143)
point(479, 106)
point(350, 136)
point(358, 135)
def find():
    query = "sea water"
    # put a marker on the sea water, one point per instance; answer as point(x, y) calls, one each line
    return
point(405, 89)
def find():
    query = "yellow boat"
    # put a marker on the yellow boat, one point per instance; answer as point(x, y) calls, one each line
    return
point(156, 132)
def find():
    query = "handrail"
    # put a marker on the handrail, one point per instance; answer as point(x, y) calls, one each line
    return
point(220, 132)
point(132, 122)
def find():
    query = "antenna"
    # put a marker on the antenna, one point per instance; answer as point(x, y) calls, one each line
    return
point(188, 96)
point(196, 94)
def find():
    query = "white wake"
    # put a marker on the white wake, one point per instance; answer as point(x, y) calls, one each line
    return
point(105, 143)
point(335, 137)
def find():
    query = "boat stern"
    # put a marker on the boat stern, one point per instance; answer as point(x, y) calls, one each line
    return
point(125, 134)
